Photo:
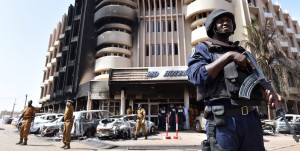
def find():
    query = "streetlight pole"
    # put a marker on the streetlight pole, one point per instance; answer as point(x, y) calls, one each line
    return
point(25, 101)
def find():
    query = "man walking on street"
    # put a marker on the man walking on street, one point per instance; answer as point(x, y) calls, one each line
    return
point(140, 122)
point(28, 115)
point(68, 124)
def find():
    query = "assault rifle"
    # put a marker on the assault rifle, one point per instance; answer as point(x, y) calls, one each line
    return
point(258, 77)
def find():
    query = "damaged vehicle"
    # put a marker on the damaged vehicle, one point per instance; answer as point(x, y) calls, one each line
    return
point(85, 122)
point(51, 128)
point(114, 127)
point(40, 120)
point(200, 123)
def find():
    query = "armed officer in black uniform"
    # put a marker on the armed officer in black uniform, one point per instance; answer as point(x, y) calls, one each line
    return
point(173, 114)
point(162, 118)
point(181, 117)
point(218, 68)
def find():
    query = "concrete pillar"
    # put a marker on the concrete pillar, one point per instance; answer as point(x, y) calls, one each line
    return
point(89, 105)
point(59, 109)
point(295, 108)
point(149, 109)
point(53, 108)
point(100, 107)
point(186, 97)
point(122, 107)
point(131, 103)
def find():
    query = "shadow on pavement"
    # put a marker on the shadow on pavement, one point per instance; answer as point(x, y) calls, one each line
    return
point(84, 149)
point(2, 129)
point(39, 145)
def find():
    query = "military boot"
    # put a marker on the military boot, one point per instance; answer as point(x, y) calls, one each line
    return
point(64, 145)
point(25, 142)
point(20, 142)
point(68, 146)
point(135, 138)
point(145, 136)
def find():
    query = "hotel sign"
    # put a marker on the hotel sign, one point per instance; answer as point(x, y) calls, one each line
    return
point(163, 73)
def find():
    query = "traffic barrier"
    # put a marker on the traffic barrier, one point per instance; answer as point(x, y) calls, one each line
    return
point(176, 137)
point(167, 125)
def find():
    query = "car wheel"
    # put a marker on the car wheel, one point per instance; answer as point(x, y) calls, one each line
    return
point(152, 130)
point(89, 133)
point(125, 135)
point(198, 126)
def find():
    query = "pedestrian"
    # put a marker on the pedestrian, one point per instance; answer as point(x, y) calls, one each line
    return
point(187, 118)
point(162, 118)
point(28, 117)
point(68, 124)
point(217, 67)
point(181, 117)
point(129, 111)
point(173, 114)
point(140, 122)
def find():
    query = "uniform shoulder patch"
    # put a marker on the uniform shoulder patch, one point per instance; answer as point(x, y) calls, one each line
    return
point(193, 51)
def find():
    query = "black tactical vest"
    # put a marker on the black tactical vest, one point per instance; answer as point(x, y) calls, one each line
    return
point(227, 84)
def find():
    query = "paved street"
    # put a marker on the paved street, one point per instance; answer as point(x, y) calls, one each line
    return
point(187, 141)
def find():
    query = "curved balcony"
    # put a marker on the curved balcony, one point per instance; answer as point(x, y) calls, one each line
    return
point(107, 62)
point(115, 11)
point(109, 50)
point(198, 22)
point(198, 7)
point(199, 35)
point(115, 37)
point(112, 26)
point(102, 77)
point(127, 3)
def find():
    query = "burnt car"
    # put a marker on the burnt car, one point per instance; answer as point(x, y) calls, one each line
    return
point(85, 122)
point(51, 128)
point(114, 127)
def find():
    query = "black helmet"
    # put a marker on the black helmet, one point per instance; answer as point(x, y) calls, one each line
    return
point(213, 16)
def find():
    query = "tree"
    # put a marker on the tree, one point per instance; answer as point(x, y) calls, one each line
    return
point(265, 46)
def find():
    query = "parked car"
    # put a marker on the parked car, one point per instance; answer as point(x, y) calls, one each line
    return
point(51, 128)
point(114, 127)
point(85, 122)
point(16, 120)
point(150, 126)
point(40, 120)
point(21, 120)
point(200, 123)
point(294, 121)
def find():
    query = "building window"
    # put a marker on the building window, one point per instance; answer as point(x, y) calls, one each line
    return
point(176, 49)
point(147, 50)
point(169, 25)
point(170, 49)
point(173, 3)
point(164, 26)
point(152, 49)
point(146, 6)
point(164, 49)
point(158, 26)
point(158, 50)
point(152, 24)
point(162, 5)
point(175, 25)
point(147, 26)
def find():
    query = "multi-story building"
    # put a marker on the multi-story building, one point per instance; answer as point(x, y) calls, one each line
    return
point(116, 53)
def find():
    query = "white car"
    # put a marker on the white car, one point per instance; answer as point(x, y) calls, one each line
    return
point(40, 120)
point(150, 126)
point(85, 122)
point(51, 128)
point(294, 121)
point(114, 127)
point(200, 123)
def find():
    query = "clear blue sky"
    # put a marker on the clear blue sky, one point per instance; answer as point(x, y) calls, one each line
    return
point(25, 28)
